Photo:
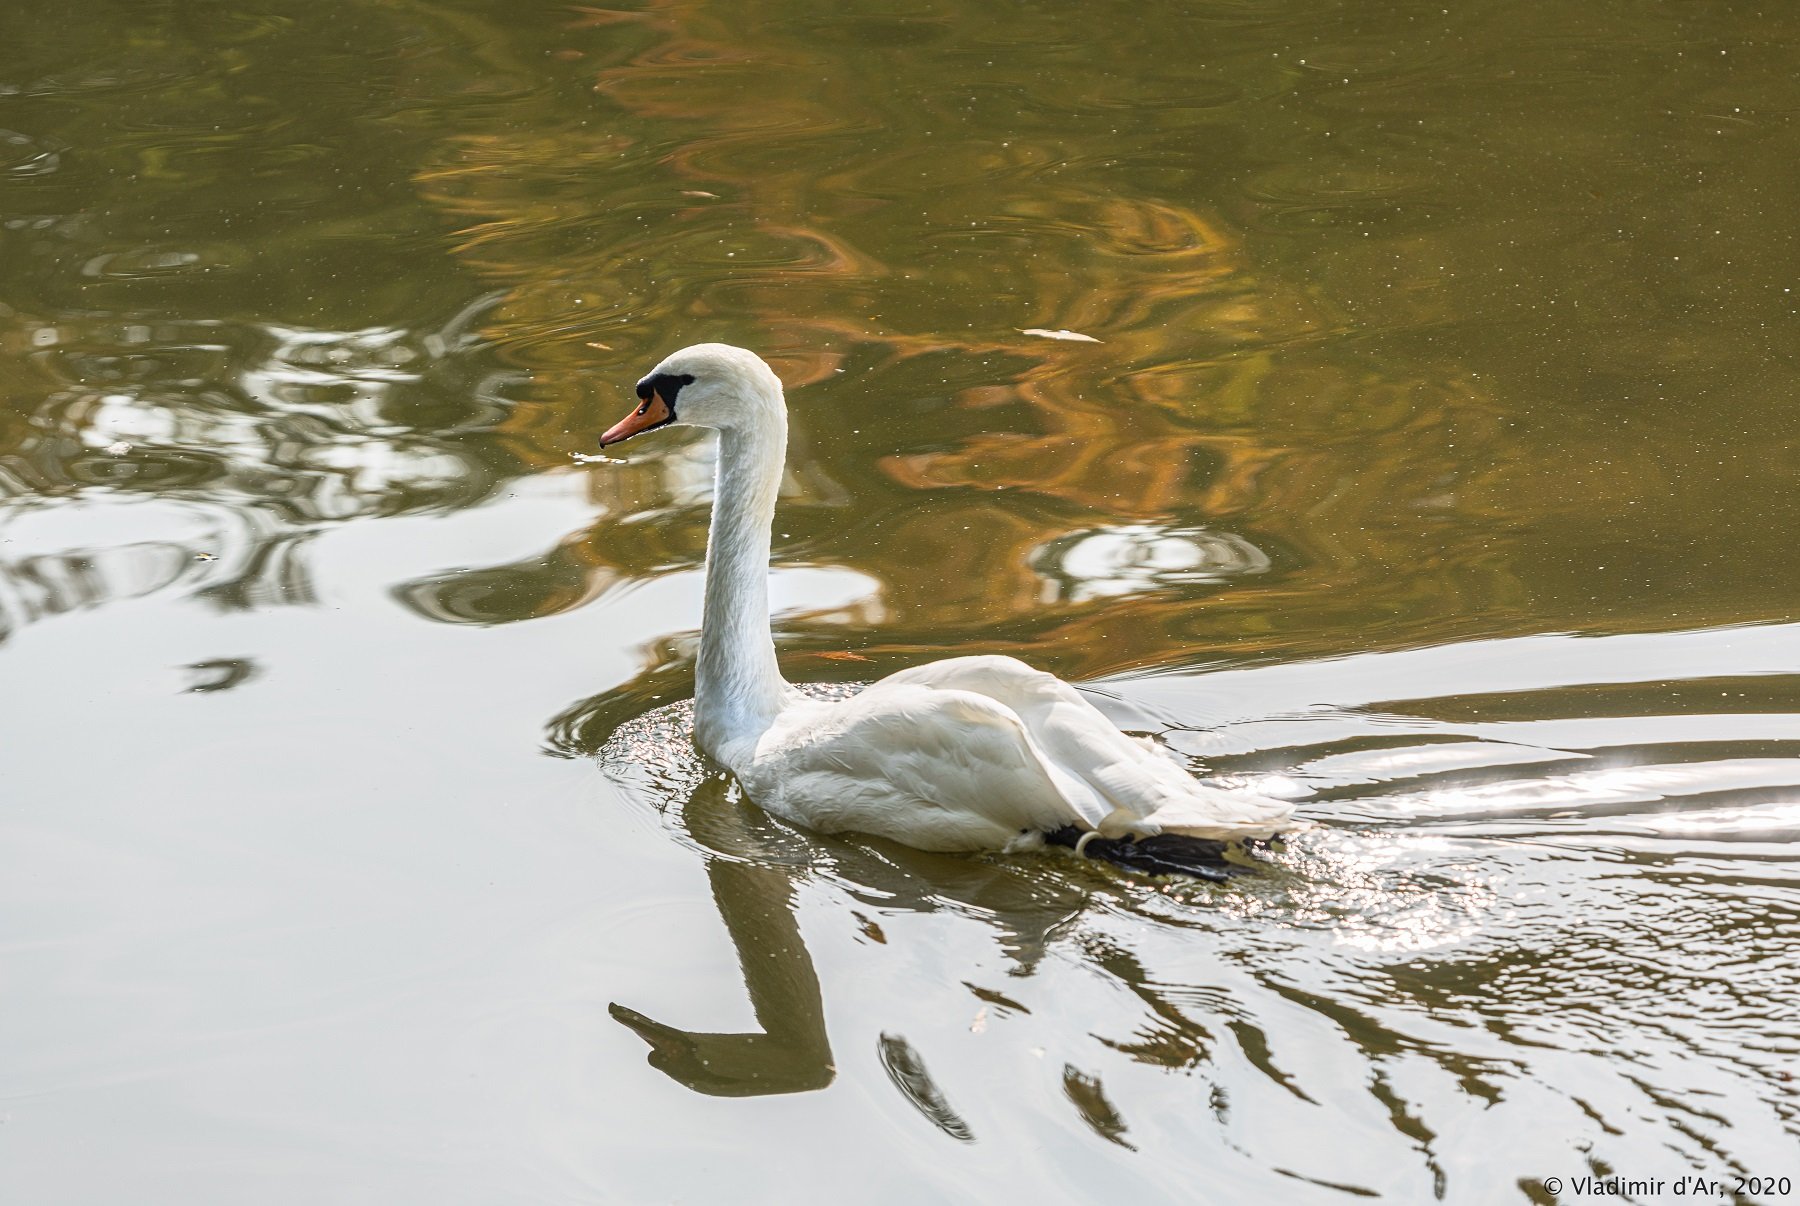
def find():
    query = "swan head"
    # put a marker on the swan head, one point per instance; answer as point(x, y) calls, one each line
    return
point(707, 385)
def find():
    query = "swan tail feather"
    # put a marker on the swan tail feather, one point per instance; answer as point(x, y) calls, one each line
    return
point(1207, 812)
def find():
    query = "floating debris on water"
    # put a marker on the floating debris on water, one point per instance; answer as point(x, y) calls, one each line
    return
point(1073, 336)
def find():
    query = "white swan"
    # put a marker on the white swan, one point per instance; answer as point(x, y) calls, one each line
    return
point(972, 753)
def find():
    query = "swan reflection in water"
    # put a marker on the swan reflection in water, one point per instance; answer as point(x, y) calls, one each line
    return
point(755, 899)
point(754, 865)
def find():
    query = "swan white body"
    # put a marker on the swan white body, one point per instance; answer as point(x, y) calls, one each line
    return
point(972, 753)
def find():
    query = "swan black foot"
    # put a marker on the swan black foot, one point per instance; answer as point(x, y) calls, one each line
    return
point(1164, 854)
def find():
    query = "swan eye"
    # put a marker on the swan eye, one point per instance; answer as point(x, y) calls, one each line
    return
point(663, 385)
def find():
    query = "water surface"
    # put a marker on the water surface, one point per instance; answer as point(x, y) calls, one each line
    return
point(1432, 459)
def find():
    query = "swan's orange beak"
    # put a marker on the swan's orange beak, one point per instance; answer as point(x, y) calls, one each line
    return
point(653, 413)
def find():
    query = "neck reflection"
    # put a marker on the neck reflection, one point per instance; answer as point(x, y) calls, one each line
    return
point(791, 1053)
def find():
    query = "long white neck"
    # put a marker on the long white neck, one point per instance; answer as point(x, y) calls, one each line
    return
point(738, 687)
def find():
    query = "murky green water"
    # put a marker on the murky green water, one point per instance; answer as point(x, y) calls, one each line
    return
point(1437, 464)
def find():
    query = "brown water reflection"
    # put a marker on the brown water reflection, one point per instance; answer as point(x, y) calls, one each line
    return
point(889, 268)
point(1433, 462)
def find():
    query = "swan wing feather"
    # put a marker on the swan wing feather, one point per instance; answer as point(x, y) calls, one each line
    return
point(1140, 787)
point(939, 769)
